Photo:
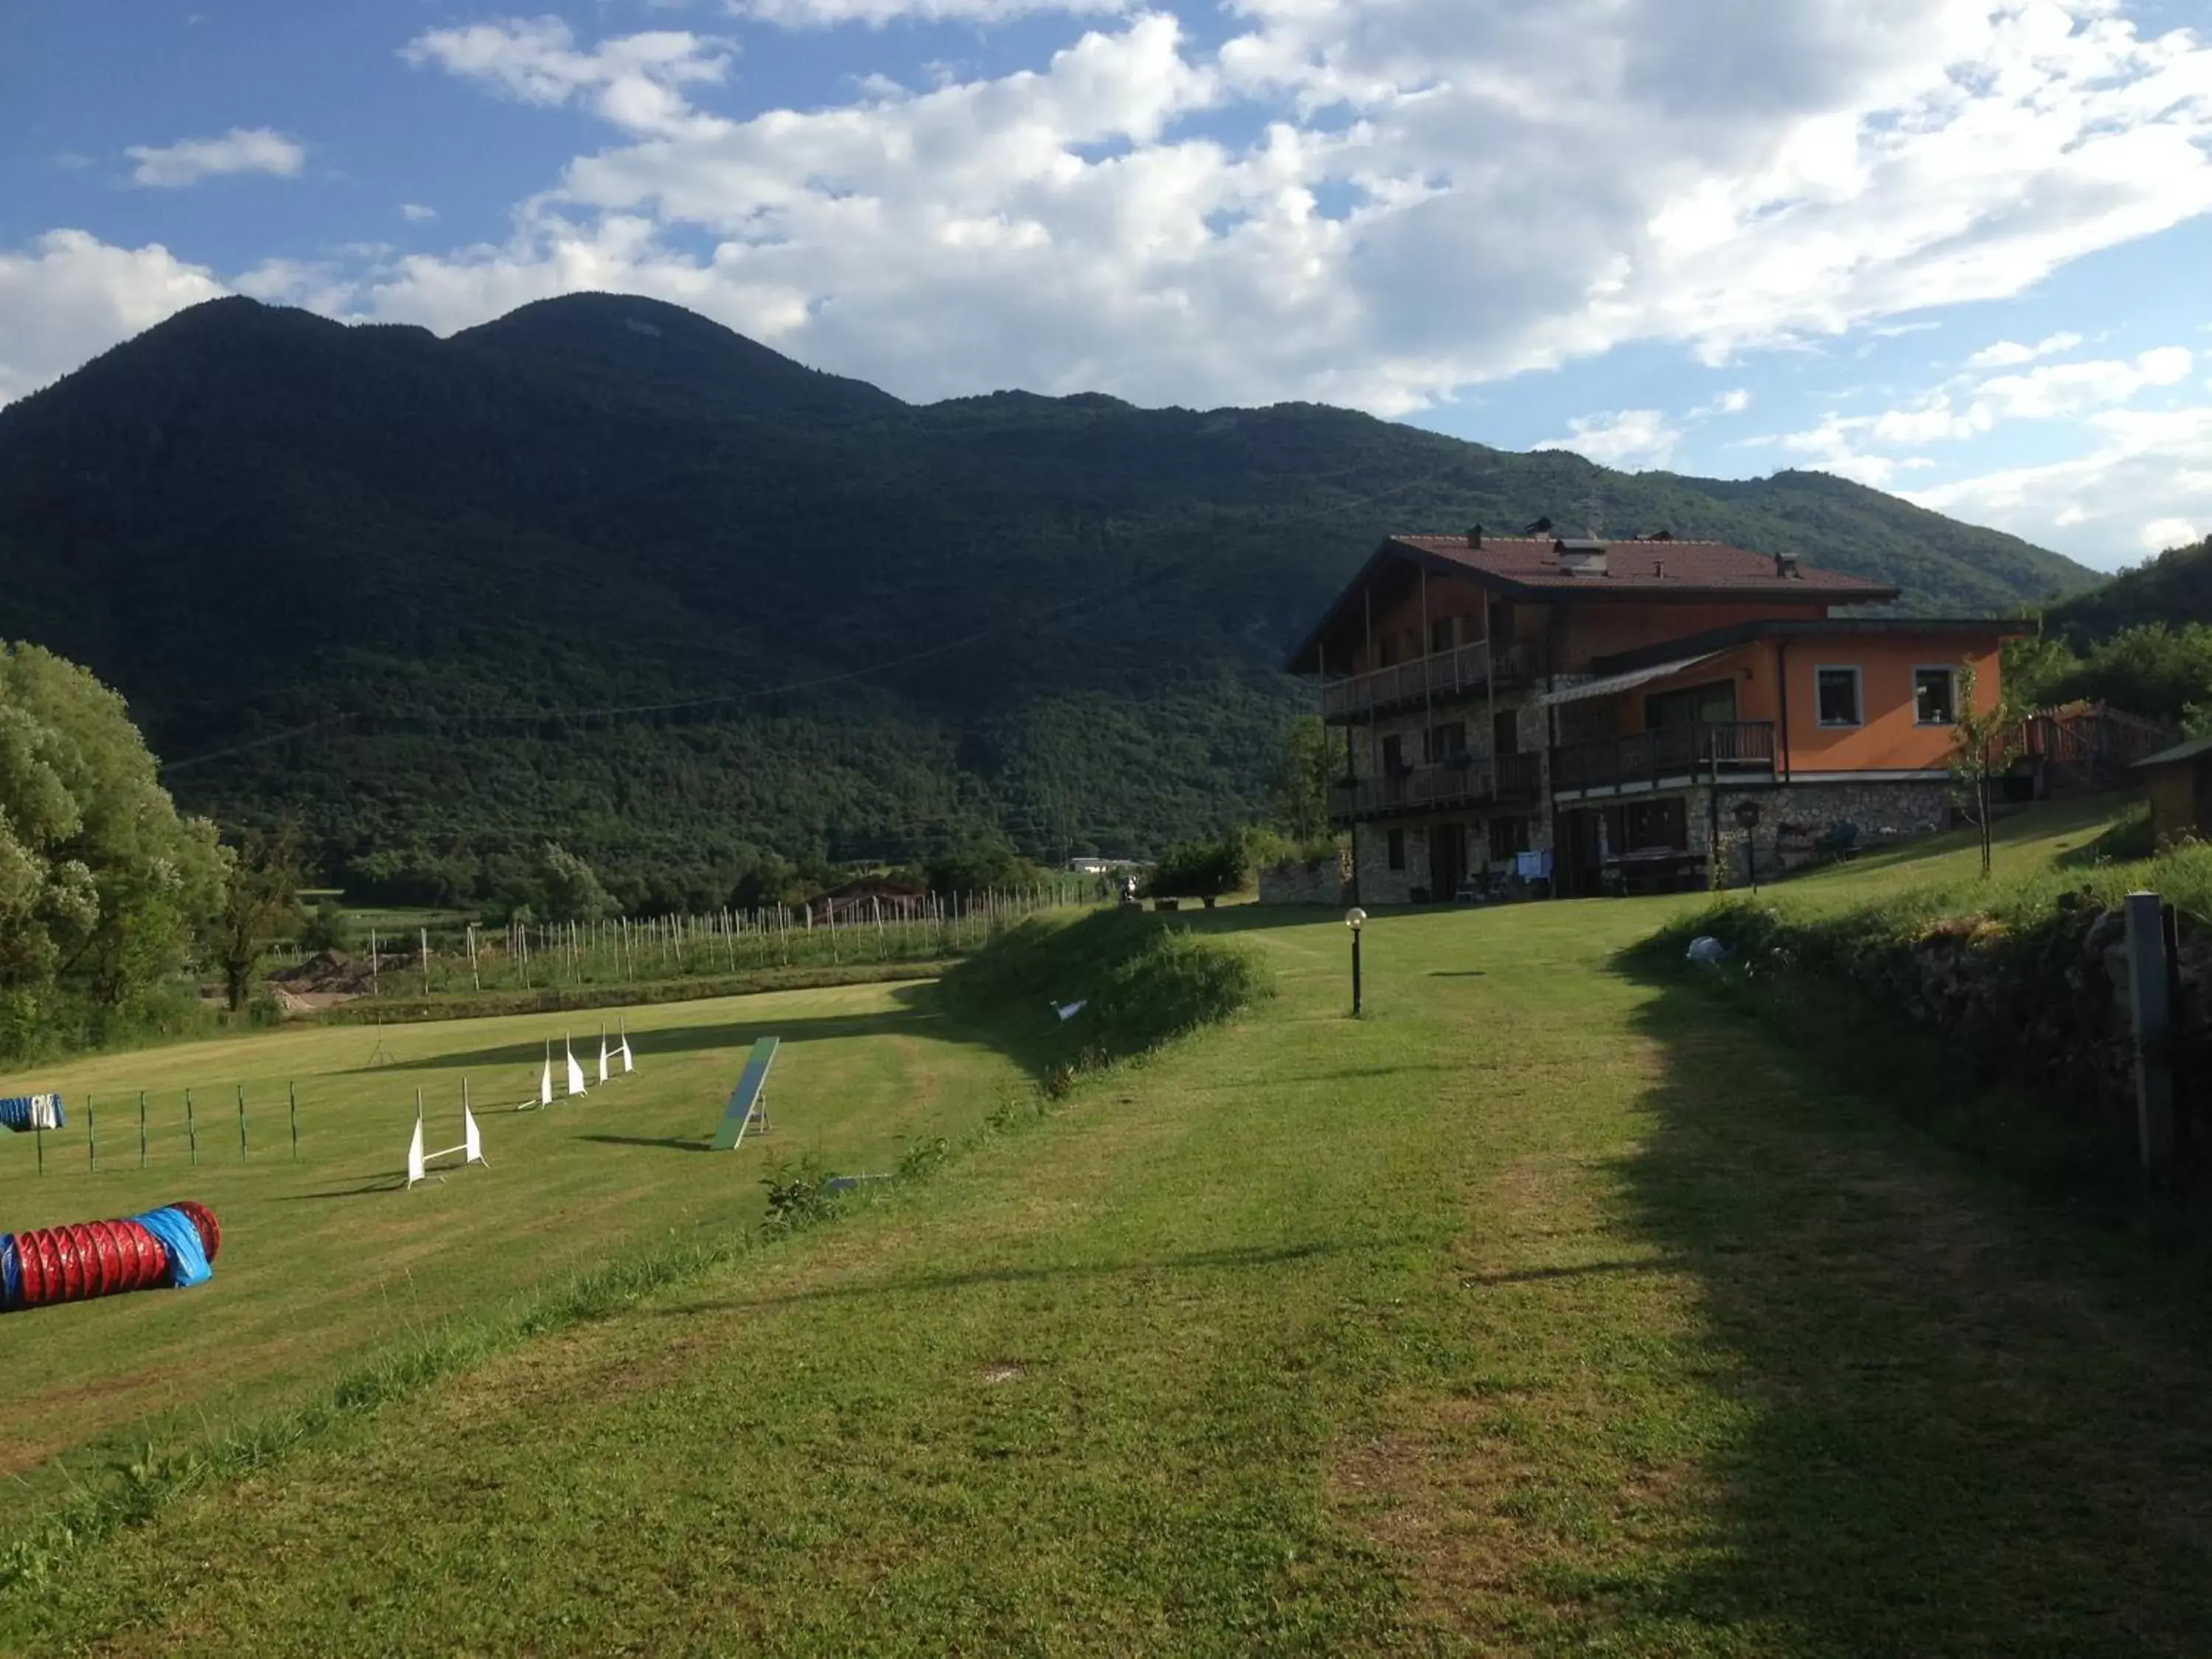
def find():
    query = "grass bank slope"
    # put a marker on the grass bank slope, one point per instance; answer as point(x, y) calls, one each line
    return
point(1543, 1310)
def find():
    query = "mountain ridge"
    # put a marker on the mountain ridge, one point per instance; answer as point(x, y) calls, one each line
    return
point(890, 624)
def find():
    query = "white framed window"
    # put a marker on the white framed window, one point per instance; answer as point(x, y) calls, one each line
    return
point(1838, 696)
point(1936, 696)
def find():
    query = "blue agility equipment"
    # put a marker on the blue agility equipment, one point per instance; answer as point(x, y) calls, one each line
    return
point(25, 1112)
point(745, 1111)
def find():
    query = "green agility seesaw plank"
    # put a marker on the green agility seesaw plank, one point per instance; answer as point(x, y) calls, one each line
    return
point(745, 1099)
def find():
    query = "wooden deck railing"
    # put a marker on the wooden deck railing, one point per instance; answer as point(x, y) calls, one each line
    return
point(1456, 673)
point(1733, 748)
point(1474, 782)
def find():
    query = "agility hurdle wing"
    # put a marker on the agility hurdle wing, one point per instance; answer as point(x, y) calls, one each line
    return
point(471, 1150)
point(747, 1110)
point(576, 1071)
point(603, 1053)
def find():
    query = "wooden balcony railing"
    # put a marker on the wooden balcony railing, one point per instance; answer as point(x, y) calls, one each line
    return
point(1474, 783)
point(1734, 748)
point(1457, 673)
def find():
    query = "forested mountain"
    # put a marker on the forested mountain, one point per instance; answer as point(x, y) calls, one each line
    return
point(2174, 588)
point(603, 571)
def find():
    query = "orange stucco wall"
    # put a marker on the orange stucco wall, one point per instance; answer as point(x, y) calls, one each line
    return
point(1890, 739)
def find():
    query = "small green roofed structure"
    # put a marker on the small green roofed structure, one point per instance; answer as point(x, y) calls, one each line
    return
point(2181, 789)
point(747, 1110)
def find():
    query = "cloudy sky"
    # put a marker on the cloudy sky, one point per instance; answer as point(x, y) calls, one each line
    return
point(1958, 249)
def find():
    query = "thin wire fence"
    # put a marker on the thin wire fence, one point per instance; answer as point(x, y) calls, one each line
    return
point(622, 951)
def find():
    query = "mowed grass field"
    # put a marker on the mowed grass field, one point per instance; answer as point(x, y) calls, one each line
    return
point(326, 1264)
point(1548, 1308)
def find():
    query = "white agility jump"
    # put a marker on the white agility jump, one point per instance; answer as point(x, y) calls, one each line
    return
point(575, 1082)
point(471, 1150)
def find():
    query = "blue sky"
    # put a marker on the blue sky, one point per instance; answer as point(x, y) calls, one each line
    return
point(1958, 249)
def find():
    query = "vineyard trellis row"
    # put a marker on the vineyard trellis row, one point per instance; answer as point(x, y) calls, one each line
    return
point(637, 949)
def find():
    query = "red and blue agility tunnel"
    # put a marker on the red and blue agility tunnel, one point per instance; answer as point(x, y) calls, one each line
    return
point(172, 1245)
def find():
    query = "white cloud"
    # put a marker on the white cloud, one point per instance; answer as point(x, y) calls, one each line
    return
point(2010, 354)
point(242, 149)
point(823, 14)
point(416, 214)
point(71, 296)
point(2142, 483)
point(1627, 438)
point(2060, 389)
point(1726, 178)
point(1408, 197)
point(634, 81)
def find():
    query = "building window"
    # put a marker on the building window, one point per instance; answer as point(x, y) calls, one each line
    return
point(1933, 699)
point(1440, 636)
point(1507, 837)
point(1445, 743)
point(1394, 753)
point(1388, 647)
point(1837, 694)
point(1396, 842)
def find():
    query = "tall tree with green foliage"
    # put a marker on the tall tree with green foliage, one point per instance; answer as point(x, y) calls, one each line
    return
point(571, 886)
point(261, 896)
point(103, 889)
point(1304, 772)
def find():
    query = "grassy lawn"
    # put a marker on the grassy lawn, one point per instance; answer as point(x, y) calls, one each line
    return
point(1545, 1309)
point(323, 1263)
point(2029, 841)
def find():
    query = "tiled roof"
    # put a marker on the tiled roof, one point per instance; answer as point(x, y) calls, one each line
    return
point(1646, 568)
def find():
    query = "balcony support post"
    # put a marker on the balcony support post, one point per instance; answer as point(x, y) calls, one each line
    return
point(1428, 679)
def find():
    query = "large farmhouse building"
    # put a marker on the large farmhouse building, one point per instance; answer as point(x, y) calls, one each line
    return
point(1602, 715)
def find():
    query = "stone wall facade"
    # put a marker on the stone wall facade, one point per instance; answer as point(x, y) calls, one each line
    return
point(1316, 881)
point(1792, 816)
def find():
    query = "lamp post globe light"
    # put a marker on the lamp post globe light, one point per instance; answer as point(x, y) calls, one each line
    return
point(1355, 919)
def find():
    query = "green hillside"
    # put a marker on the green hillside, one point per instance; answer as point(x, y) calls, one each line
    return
point(605, 571)
point(2174, 588)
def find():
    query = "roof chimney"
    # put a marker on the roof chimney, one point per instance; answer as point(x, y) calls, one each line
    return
point(1475, 536)
point(1582, 556)
point(1786, 567)
point(1659, 567)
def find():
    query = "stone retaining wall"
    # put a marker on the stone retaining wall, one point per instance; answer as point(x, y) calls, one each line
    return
point(1318, 881)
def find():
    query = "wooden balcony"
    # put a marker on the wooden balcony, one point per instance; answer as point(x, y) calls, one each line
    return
point(1473, 783)
point(1734, 750)
point(1457, 674)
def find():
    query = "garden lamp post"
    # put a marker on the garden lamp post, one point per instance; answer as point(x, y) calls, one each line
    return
point(1355, 919)
point(1746, 820)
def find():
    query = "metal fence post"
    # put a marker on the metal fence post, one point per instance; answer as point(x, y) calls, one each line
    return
point(2150, 1002)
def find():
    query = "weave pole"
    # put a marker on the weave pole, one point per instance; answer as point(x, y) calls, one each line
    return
point(241, 1122)
point(142, 1128)
point(191, 1130)
point(292, 1100)
point(91, 1140)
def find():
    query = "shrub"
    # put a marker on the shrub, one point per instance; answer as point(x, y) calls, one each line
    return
point(1200, 869)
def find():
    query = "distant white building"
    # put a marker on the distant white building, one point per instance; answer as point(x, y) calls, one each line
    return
point(1101, 866)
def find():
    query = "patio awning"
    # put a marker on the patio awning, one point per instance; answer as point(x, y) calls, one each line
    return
point(1614, 683)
